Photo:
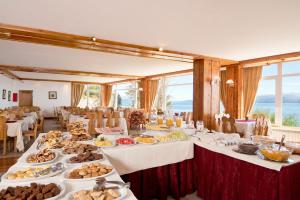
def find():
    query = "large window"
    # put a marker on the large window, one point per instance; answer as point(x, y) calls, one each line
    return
point(91, 96)
point(279, 94)
point(125, 95)
point(176, 93)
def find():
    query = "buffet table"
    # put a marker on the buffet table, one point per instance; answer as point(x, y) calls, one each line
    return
point(70, 185)
point(224, 174)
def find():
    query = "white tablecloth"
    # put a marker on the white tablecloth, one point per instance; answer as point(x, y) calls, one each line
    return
point(70, 185)
point(33, 114)
point(207, 142)
point(28, 122)
point(15, 130)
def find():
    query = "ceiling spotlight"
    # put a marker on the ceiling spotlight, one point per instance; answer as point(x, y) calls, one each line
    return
point(7, 34)
point(94, 39)
point(160, 49)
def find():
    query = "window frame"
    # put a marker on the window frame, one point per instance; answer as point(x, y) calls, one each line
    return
point(136, 89)
point(278, 78)
point(88, 94)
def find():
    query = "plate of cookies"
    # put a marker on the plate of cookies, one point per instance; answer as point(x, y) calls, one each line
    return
point(42, 157)
point(90, 171)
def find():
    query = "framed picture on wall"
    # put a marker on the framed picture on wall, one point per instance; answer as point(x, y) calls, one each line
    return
point(9, 95)
point(3, 94)
point(52, 95)
point(15, 97)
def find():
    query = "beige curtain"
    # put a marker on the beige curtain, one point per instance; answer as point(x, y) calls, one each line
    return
point(76, 93)
point(153, 88)
point(252, 76)
point(223, 87)
point(106, 92)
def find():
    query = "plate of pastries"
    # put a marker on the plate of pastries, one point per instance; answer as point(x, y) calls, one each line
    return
point(44, 156)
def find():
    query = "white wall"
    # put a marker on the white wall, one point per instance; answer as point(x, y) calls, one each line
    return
point(40, 94)
point(8, 85)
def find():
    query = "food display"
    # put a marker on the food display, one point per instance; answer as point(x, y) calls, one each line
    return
point(33, 191)
point(136, 120)
point(294, 146)
point(77, 148)
point(163, 138)
point(157, 127)
point(89, 171)
point(272, 152)
point(178, 135)
point(43, 156)
point(247, 148)
point(85, 157)
point(125, 141)
point(101, 194)
point(75, 125)
point(51, 137)
point(145, 139)
point(27, 173)
point(81, 137)
point(109, 131)
point(103, 142)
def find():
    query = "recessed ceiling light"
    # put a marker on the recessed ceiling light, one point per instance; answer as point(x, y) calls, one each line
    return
point(94, 39)
point(160, 49)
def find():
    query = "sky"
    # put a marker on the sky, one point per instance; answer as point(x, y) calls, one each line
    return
point(290, 85)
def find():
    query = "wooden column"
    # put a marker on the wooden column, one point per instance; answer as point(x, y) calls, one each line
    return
point(206, 100)
point(234, 93)
point(144, 100)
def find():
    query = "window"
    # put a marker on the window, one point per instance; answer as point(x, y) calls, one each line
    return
point(176, 93)
point(125, 95)
point(279, 95)
point(90, 96)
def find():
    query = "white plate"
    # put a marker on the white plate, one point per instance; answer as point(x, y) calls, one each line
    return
point(60, 185)
point(156, 141)
point(66, 174)
point(98, 130)
point(113, 144)
point(87, 162)
point(123, 191)
point(51, 174)
point(42, 163)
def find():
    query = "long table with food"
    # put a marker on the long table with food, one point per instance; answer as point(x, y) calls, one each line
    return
point(158, 162)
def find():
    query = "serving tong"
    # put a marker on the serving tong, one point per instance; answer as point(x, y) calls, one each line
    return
point(54, 168)
point(100, 184)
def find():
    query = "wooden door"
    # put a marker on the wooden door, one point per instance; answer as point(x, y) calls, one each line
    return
point(25, 97)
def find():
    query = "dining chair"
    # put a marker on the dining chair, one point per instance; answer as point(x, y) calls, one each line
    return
point(31, 133)
point(92, 122)
point(3, 133)
point(99, 115)
point(41, 125)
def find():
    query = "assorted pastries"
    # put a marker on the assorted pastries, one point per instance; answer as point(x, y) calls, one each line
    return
point(89, 171)
point(85, 157)
point(30, 172)
point(78, 148)
point(104, 194)
point(42, 156)
point(35, 191)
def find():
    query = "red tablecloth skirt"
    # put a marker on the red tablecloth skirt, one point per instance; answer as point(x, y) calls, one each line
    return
point(176, 180)
point(220, 177)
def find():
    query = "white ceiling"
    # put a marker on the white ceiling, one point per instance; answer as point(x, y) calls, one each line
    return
point(231, 29)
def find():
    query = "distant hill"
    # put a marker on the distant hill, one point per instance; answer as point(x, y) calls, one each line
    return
point(184, 102)
point(290, 98)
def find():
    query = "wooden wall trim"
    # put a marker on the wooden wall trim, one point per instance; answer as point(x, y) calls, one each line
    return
point(181, 72)
point(63, 71)
point(9, 74)
point(45, 37)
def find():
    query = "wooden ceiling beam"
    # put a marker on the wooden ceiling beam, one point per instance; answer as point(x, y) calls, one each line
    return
point(271, 59)
point(62, 81)
point(65, 72)
point(38, 36)
point(181, 72)
point(9, 74)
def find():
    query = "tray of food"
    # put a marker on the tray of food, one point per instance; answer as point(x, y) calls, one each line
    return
point(178, 136)
point(77, 148)
point(32, 173)
point(247, 148)
point(109, 192)
point(125, 141)
point(34, 190)
point(104, 142)
point(42, 157)
point(144, 139)
point(89, 171)
point(85, 157)
point(163, 138)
